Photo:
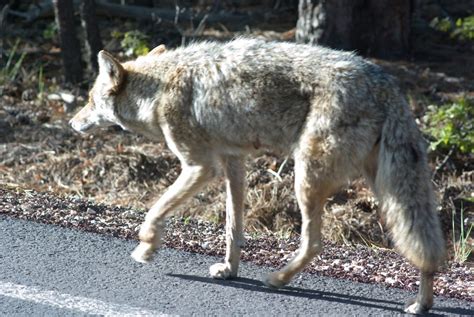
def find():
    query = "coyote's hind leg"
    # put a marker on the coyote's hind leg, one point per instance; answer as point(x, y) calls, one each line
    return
point(424, 300)
point(235, 185)
point(311, 193)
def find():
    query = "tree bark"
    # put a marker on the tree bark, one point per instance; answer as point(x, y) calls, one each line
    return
point(91, 28)
point(70, 46)
point(372, 27)
point(3, 14)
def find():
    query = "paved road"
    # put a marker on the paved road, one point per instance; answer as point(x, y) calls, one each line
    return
point(54, 271)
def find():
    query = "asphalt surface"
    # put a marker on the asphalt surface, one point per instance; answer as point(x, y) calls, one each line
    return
point(47, 270)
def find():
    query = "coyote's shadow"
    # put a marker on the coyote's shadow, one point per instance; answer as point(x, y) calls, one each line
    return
point(257, 286)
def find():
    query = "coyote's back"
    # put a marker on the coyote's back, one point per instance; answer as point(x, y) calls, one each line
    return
point(251, 93)
point(337, 114)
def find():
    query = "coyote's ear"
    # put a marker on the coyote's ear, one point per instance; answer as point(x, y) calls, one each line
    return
point(111, 72)
point(157, 50)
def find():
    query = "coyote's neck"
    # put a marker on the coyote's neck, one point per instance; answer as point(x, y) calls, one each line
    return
point(136, 106)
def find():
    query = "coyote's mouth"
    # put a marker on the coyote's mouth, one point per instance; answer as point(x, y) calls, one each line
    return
point(82, 128)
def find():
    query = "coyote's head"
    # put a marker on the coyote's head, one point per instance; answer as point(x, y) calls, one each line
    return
point(101, 108)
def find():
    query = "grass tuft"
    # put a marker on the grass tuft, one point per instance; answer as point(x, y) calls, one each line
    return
point(11, 69)
point(462, 248)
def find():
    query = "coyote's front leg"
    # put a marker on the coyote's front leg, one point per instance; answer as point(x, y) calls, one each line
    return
point(235, 186)
point(191, 179)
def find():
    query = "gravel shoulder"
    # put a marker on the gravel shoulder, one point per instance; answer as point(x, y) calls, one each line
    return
point(357, 263)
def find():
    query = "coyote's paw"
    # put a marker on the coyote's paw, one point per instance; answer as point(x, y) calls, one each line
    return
point(413, 306)
point(221, 271)
point(275, 280)
point(143, 253)
point(150, 233)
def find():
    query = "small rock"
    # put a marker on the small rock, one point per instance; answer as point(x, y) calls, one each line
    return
point(28, 94)
point(91, 211)
point(68, 99)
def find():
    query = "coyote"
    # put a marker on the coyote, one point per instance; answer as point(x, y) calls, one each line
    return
point(337, 114)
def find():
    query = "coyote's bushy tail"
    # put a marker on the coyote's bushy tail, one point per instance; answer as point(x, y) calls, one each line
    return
point(403, 185)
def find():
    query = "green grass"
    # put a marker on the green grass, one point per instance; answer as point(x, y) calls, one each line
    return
point(11, 69)
point(462, 248)
point(41, 84)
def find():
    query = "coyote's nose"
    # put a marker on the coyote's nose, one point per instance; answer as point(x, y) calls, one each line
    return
point(74, 125)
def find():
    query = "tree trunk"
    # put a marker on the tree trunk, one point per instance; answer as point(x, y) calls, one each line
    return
point(89, 24)
point(372, 27)
point(3, 15)
point(70, 46)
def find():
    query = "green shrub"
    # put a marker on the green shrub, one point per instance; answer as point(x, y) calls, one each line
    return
point(51, 31)
point(135, 43)
point(462, 29)
point(443, 25)
point(451, 126)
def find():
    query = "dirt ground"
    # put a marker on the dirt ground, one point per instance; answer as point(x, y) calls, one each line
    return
point(39, 151)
